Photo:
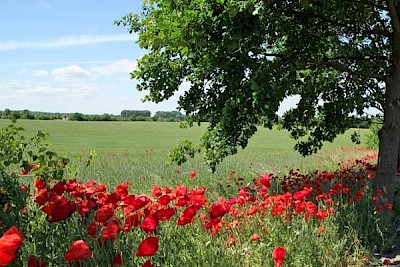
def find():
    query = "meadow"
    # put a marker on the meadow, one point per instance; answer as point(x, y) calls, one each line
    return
point(138, 152)
point(265, 206)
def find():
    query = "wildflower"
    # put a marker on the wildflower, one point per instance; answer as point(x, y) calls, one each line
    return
point(149, 224)
point(79, 250)
point(111, 230)
point(320, 230)
point(34, 262)
point(156, 191)
point(93, 229)
point(278, 254)
point(301, 195)
point(187, 215)
point(24, 188)
point(104, 213)
point(321, 215)
point(10, 242)
point(147, 264)
point(164, 200)
point(117, 261)
point(387, 261)
point(265, 180)
point(388, 206)
point(58, 209)
point(252, 210)
point(131, 221)
point(192, 174)
point(346, 190)
point(255, 237)
point(231, 240)
point(147, 247)
point(165, 214)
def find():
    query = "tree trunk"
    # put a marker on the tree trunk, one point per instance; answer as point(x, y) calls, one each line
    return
point(389, 139)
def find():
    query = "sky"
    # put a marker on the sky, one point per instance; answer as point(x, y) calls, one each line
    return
point(68, 56)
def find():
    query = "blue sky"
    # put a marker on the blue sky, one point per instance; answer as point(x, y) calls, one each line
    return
point(68, 56)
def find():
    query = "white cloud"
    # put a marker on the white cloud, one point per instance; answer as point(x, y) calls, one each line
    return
point(119, 66)
point(40, 72)
point(71, 74)
point(26, 89)
point(22, 71)
point(74, 40)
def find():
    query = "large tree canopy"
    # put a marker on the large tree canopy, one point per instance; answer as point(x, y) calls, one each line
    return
point(243, 57)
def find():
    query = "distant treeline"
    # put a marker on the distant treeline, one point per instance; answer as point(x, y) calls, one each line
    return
point(126, 115)
point(134, 115)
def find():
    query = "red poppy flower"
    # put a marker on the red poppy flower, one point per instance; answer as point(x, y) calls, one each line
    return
point(34, 262)
point(147, 264)
point(111, 230)
point(10, 242)
point(255, 237)
point(301, 195)
point(165, 214)
point(58, 209)
point(149, 224)
point(164, 200)
point(140, 202)
point(147, 247)
point(117, 261)
point(265, 180)
point(388, 206)
point(321, 215)
point(24, 188)
point(219, 210)
point(192, 174)
point(187, 215)
point(131, 221)
point(278, 254)
point(231, 241)
point(156, 191)
point(78, 250)
point(252, 210)
point(40, 184)
point(104, 213)
point(93, 229)
point(58, 188)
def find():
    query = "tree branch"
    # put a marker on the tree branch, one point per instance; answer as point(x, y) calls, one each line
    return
point(292, 11)
point(371, 4)
point(344, 68)
point(394, 16)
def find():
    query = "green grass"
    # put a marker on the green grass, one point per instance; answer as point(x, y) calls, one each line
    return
point(138, 151)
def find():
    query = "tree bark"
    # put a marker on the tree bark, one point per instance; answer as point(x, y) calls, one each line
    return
point(389, 140)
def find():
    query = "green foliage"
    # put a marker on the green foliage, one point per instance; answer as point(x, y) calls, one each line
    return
point(185, 149)
point(135, 113)
point(372, 137)
point(242, 58)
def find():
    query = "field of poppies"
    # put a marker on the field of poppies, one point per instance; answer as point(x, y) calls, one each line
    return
point(50, 216)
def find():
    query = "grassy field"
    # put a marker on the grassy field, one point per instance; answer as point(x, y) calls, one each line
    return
point(138, 152)
point(324, 208)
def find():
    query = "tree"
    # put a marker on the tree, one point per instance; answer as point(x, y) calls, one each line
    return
point(243, 57)
point(169, 115)
point(135, 113)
